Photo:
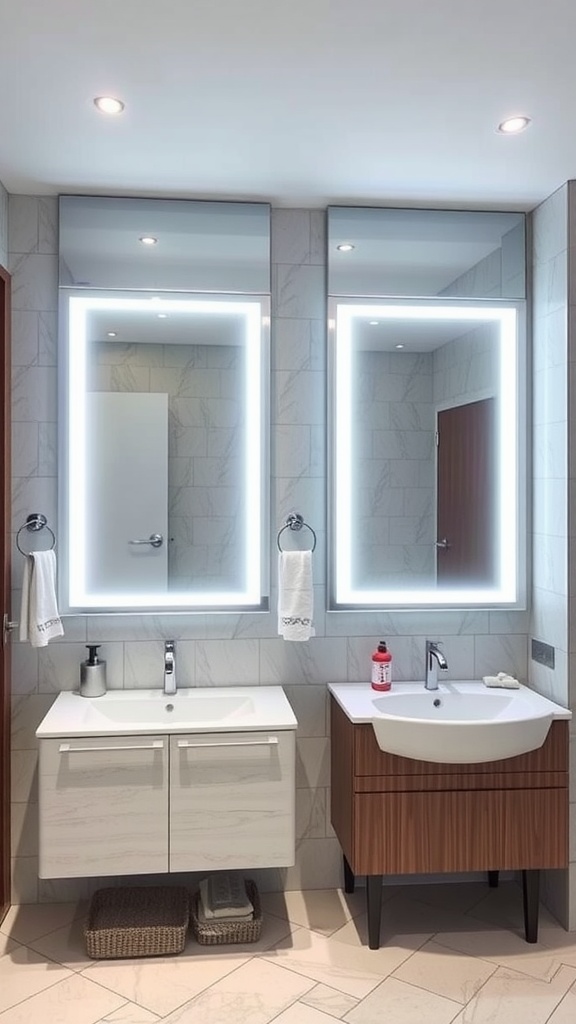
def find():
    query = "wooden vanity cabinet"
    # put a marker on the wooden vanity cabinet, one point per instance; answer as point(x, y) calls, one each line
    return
point(394, 815)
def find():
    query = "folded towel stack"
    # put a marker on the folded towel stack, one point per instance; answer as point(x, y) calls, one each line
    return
point(502, 679)
point(223, 897)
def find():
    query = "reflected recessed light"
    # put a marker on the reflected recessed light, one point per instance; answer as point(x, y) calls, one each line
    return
point(373, 323)
point(111, 334)
point(399, 346)
point(162, 316)
point(345, 247)
point(148, 240)
point(109, 104)
point(513, 125)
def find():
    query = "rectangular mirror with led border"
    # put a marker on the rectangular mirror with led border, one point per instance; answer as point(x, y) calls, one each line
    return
point(164, 397)
point(427, 396)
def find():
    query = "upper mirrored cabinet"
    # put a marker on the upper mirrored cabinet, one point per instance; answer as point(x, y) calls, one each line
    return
point(427, 409)
point(164, 330)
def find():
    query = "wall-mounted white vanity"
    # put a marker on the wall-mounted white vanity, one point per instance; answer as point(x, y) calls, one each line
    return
point(136, 782)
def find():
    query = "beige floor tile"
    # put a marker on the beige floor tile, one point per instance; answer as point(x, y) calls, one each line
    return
point(320, 910)
point(510, 998)
point(565, 1012)
point(301, 1013)
point(162, 984)
point(455, 896)
point(342, 961)
point(445, 973)
point(130, 1013)
point(66, 945)
point(253, 994)
point(73, 1001)
point(504, 948)
point(29, 921)
point(24, 973)
point(503, 906)
point(398, 1003)
point(329, 1000)
point(403, 915)
point(6, 944)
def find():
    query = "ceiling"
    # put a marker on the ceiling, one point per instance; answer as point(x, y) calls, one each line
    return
point(299, 104)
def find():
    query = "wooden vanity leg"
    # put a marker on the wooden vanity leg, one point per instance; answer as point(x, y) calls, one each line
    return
point(374, 905)
point(349, 879)
point(493, 879)
point(531, 894)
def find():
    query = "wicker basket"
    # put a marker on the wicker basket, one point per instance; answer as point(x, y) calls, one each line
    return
point(135, 921)
point(217, 933)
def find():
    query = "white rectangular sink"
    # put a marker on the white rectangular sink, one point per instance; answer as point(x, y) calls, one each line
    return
point(459, 723)
point(194, 709)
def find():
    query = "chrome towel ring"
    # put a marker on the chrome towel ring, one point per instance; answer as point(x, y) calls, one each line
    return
point(35, 522)
point(295, 522)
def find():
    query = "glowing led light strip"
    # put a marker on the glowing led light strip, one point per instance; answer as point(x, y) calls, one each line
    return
point(507, 507)
point(79, 597)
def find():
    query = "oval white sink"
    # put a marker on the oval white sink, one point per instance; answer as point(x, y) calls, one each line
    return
point(451, 726)
point(177, 708)
point(202, 709)
point(462, 722)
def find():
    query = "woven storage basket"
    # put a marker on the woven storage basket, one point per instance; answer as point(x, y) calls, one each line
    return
point(217, 933)
point(137, 921)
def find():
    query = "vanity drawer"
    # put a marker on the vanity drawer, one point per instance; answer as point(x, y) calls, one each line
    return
point(103, 806)
point(232, 801)
point(421, 833)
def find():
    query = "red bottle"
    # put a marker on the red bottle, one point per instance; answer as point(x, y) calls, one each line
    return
point(381, 668)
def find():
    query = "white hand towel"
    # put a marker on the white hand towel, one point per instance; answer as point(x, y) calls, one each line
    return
point(39, 617)
point(295, 595)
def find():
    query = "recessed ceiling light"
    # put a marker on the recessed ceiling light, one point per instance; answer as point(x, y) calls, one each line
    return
point(162, 316)
point(345, 247)
point(513, 125)
point(111, 334)
point(148, 240)
point(373, 323)
point(399, 346)
point(109, 105)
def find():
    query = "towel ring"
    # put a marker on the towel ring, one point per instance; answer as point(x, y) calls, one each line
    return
point(295, 522)
point(35, 522)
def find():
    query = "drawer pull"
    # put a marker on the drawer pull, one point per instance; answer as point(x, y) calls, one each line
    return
point(65, 748)
point(272, 741)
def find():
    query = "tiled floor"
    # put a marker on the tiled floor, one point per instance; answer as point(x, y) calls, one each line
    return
point(449, 953)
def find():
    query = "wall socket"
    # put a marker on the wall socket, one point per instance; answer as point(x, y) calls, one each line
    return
point(542, 653)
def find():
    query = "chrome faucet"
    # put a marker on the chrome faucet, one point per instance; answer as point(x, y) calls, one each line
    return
point(169, 667)
point(434, 660)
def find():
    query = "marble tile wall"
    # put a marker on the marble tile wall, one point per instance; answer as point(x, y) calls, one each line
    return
point(217, 649)
point(550, 609)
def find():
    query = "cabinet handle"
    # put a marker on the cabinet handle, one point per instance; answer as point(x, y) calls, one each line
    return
point(272, 741)
point(65, 748)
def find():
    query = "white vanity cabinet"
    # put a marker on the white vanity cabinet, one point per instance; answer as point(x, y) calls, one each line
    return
point(232, 800)
point(140, 782)
point(103, 806)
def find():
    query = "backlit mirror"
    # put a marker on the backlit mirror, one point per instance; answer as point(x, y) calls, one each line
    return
point(164, 442)
point(427, 489)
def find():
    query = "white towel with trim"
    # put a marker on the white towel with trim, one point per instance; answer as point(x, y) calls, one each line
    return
point(295, 595)
point(39, 617)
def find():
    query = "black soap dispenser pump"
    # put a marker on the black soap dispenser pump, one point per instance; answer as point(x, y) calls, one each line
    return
point(93, 674)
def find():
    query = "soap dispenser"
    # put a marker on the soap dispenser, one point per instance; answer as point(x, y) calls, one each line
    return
point(92, 674)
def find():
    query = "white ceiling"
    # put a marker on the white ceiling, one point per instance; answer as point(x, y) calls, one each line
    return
point(302, 103)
